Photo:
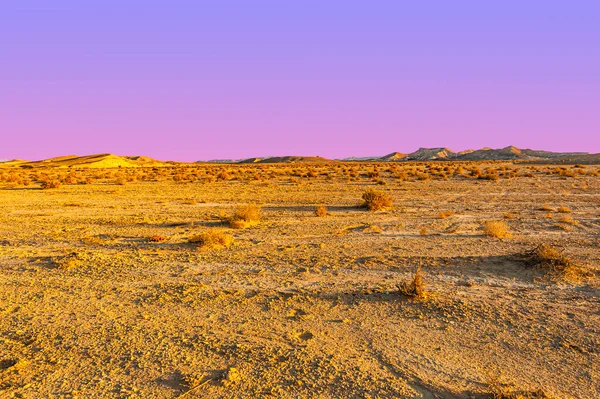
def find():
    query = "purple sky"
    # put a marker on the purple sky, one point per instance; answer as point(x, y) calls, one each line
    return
point(202, 79)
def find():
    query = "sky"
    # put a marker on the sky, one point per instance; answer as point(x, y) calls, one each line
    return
point(207, 79)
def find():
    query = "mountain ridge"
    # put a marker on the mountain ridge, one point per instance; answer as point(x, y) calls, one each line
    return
point(423, 154)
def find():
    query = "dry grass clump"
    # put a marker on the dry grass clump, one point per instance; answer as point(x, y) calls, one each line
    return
point(489, 176)
point(415, 288)
point(564, 209)
point(548, 258)
point(321, 211)
point(568, 219)
point(70, 261)
point(212, 239)
point(375, 200)
point(49, 184)
point(446, 214)
point(373, 229)
point(496, 229)
point(245, 216)
point(157, 238)
point(546, 208)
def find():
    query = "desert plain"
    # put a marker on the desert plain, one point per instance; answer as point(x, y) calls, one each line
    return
point(106, 291)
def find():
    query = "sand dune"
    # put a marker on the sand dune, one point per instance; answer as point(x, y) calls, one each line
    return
point(89, 161)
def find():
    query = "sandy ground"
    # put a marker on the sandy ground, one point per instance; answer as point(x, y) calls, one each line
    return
point(299, 306)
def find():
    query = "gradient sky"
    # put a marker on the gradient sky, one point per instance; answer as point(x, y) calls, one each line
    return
point(203, 79)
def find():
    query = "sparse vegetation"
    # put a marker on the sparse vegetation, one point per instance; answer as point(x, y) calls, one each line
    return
point(157, 238)
point(321, 211)
point(376, 200)
point(49, 184)
point(415, 287)
point(70, 261)
point(212, 239)
point(164, 278)
point(496, 229)
point(568, 219)
point(245, 216)
point(446, 214)
point(554, 261)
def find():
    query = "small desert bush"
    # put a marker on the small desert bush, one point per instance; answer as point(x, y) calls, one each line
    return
point(373, 229)
point(212, 239)
point(321, 211)
point(423, 231)
point(489, 176)
point(496, 229)
point(415, 287)
point(376, 200)
point(549, 259)
point(49, 184)
point(568, 219)
point(564, 209)
point(223, 175)
point(245, 216)
point(446, 214)
point(157, 238)
point(70, 261)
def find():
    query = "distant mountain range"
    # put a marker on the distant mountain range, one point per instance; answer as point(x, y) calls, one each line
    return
point(442, 154)
point(421, 155)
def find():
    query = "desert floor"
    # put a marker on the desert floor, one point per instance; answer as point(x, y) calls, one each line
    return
point(299, 306)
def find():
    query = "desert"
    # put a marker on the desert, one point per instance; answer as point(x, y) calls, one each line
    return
point(136, 278)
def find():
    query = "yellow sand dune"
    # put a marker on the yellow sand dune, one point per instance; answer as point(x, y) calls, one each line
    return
point(12, 163)
point(89, 161)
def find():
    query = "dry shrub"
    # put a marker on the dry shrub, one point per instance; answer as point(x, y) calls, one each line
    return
point(415, 287)
point(549, 259)
point(70, 261)
point(446, 214)
point(376, 200)
point(496, 229)
point(49, 184)
point(546, 208)
point(223, 175)
point(568, 219)
point(212, 239)
point(321, 211)
point(157, 238)
point(564, 209)
point(245, 216)
point(489, 176)
point(423, 231)
point(373, 229)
